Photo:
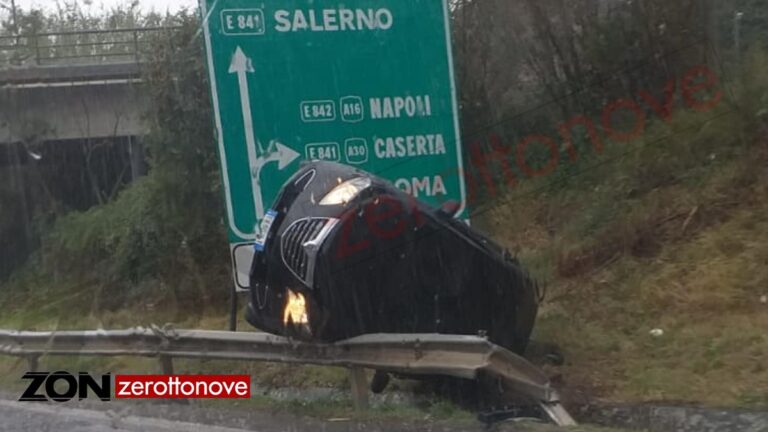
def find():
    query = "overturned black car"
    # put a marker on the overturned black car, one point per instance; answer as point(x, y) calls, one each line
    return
point(344, 253)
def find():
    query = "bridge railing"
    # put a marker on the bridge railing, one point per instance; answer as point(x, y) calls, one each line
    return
point(81, 47)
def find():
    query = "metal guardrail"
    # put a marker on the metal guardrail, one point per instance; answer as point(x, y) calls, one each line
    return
point(428, 354)
point(79, 47)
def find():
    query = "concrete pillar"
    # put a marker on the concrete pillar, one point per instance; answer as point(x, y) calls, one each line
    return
point(138, 157)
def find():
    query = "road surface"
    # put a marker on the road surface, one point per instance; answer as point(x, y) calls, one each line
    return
point(120, 416)
point(45, 417)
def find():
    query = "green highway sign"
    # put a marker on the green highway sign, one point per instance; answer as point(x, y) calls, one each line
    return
point(368, 83)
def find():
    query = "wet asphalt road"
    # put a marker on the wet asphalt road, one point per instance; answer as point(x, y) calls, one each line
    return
point(42, 417)
point(119, 416)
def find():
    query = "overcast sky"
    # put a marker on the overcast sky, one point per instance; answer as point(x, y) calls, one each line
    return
point(147, 5)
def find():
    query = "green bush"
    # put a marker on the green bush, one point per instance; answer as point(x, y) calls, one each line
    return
point(165, 228)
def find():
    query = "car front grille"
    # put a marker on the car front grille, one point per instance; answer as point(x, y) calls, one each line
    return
point(300, 243)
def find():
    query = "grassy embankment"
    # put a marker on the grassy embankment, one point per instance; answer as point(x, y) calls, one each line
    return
point(667, 232)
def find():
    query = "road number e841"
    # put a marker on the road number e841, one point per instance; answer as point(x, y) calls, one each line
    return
point(236, 22)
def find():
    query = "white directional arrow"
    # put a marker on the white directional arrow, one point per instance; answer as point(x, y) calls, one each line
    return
point(283, 155)
point(242, 65)
point(276, 152)
point(257, 157)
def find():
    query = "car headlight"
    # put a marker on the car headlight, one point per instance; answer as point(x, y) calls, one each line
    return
point(346, 192)
point(295, 310)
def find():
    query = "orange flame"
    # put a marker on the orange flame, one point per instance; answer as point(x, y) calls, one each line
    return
point(295, 309)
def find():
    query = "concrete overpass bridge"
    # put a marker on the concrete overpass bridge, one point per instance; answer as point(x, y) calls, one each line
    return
point(74, 85)
point(57, 103)
point(71, 125)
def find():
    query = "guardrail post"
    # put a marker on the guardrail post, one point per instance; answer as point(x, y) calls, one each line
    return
point(359, 388)
point(33, 363)
point(166, 364)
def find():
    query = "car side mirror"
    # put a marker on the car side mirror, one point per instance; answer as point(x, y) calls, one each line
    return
point(449, 209)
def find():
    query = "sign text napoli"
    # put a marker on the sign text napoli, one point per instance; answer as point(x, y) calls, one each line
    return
point(368, 83)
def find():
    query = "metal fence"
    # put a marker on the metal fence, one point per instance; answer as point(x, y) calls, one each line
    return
point(80, 47)
point(419, 354)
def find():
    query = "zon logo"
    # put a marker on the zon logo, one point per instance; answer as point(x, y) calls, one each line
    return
point(62, 386)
